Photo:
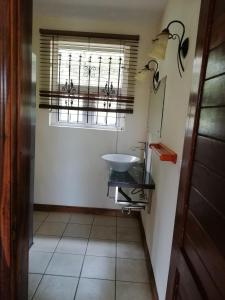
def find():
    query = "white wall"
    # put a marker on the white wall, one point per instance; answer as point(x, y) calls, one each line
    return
point(159, 224)
point(68, 167)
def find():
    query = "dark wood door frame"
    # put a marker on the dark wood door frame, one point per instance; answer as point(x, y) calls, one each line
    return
point(15, 145)
point(7, 60)
point(200, 65)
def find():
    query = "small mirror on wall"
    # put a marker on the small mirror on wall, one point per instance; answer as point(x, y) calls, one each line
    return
point(156, 109)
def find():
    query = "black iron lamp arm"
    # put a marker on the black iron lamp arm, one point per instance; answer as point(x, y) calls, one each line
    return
point(183, 44)
point(152, 68)
point(172, 35)
point(155, 79)
point(179, 59)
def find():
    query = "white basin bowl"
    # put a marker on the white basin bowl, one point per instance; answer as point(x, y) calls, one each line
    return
point(120, 162)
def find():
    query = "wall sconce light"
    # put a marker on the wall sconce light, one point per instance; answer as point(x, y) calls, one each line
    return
point(151, 66)
point(160, 44)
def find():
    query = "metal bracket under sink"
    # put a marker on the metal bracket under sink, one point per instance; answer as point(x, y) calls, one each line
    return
point(129, 204)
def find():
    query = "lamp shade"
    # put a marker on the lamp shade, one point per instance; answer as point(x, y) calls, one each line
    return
point(142, 75)
point(159, 45)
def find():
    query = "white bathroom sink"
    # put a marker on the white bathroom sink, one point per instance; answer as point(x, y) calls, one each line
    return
point(120, 162)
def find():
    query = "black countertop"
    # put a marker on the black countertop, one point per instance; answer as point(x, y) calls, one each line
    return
point(136, 177)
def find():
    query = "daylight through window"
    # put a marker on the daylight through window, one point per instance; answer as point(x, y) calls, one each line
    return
point(86, 81)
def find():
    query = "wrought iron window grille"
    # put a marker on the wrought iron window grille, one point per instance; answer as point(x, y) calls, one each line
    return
point(93, 89)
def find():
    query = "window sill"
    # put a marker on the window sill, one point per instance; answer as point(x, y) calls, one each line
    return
point(91, 127)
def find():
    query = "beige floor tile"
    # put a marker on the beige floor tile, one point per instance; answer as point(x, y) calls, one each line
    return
point(38, 261)
point(103, 232)
point(105, 221)
point(40, 216)
point(97, 280)
point(51, 228)
point(77, 230)
point(33, 281)
point(58, 217)
point(102, 248)
point(65, 265)
point(44, 243)
point(99, 267)
point(127, 222)
point(82, 219)
point(132, 270)
point(36, 225)
point(132, 291)
point(95, 289)
point(72, 245)
point(56, 288)
point(130, 250)
point(128, 234)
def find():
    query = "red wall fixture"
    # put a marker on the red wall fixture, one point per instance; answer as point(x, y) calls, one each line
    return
point(164, 153)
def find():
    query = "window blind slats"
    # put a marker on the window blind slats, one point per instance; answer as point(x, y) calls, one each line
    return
point(87, 71)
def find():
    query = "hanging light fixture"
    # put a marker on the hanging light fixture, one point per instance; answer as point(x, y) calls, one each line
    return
point(160, 45)
point(151, 66)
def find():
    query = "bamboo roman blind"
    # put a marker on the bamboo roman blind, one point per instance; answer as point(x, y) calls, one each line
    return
point(89, 72)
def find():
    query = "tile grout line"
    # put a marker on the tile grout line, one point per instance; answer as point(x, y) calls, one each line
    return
point(39, 224)
point(37, 228)
point(85, 254)
point(50, 258)
point(116, 257)
point(42, 275)
point(125, 258)
point(95, 278)
point(87, 238)
point(84, 259)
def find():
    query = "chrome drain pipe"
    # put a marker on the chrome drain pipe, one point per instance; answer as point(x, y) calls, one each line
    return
point(126, 210)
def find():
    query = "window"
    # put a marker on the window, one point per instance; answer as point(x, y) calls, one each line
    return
point(87, 80)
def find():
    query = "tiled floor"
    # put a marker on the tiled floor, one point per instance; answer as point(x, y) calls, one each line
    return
point(85, 257)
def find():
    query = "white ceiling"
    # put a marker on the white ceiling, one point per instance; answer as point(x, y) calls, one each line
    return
point(130, 4)
point(108, 8)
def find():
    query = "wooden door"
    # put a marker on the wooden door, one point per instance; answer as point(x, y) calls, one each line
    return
point(197, 269)
point(15, 146)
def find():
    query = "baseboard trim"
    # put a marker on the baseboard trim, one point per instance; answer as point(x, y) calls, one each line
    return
point(149, 264)
point(84, 210)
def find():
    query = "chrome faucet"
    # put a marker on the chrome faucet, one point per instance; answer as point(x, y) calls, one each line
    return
point(145, 149)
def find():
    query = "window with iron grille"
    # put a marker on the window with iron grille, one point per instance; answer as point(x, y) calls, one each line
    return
point(87, 79)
